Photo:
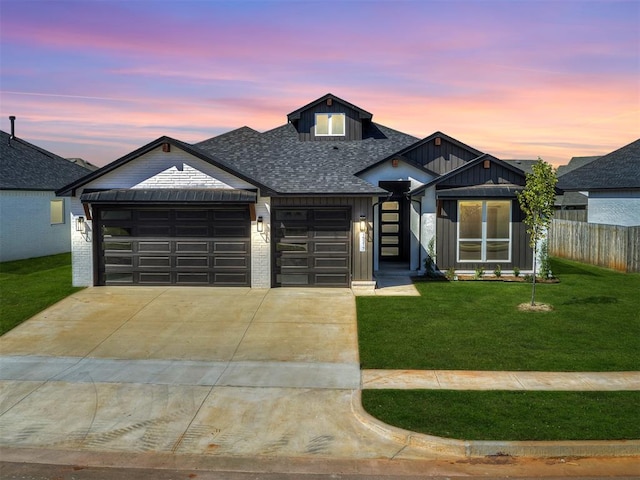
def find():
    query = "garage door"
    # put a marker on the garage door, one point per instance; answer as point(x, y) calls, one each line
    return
point(174, 246)
point(312, 247)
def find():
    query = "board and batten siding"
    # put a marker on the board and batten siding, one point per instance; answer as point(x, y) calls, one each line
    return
point(494, 175)
point(440, 158)
point(307, 123)
point(361, 262)
point(447, 240)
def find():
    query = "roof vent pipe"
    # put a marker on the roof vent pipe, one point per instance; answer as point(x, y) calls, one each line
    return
point(12, 119)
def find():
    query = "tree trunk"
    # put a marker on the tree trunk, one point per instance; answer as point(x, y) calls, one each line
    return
point(533, 285)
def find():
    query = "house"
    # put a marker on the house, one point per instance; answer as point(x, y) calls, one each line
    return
point(612, 185)
point(33, 221)
point(327, 199)
point(564, 200)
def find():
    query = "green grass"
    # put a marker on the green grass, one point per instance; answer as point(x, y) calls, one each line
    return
point(499, 415)
point(595, 325)
point(29, 286)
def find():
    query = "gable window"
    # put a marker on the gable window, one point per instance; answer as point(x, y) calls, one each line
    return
point(484, 231)
point(330, 124)
point(57, 211)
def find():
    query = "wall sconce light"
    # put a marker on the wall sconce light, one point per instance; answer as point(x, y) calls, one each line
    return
point(487, 164)
point(395, 162)
point(260, 224)
point(80, 224)
point(363, 223)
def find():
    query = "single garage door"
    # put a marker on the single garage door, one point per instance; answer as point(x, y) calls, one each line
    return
point(173, 246)
point(312, 247)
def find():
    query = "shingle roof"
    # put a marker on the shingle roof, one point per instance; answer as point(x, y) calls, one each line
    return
point(290, 166)
point(525, 165)
point(619, 169)
point(575, 162)
point(23, 166)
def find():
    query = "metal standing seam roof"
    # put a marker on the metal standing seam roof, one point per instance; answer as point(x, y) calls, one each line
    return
point(502, 190)
point(170, 195)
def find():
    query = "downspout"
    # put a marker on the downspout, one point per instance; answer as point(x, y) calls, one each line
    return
point(410, 197)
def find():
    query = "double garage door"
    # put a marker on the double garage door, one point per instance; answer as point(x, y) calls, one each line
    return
point(173, 246)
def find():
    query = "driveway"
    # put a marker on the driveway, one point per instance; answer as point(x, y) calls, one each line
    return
point(198, 371)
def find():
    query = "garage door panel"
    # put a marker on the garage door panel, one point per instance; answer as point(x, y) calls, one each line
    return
point(181, 252)
point(312, 247)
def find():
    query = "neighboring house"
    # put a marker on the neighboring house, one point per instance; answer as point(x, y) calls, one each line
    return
point(327, 199)
point(83, 163)
point(612, 184)
point(33, 221)
point(564, 200)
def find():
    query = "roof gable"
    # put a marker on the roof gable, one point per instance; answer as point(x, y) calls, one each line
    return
point(618, 170)
point(329, 99)
point(24, 166)
point(483, 170)
point(160, 142)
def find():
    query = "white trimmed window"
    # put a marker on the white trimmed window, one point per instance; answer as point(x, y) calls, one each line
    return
point(484, 231)
point(57, 211)
point(330, 124)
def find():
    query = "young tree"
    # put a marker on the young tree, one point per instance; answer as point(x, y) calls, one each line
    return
point(536, 201)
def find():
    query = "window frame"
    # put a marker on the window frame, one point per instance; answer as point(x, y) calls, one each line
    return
point(330, 130)
point(58, 212)
point(484, 240)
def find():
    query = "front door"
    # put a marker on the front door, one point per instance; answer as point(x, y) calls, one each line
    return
point(393, 217)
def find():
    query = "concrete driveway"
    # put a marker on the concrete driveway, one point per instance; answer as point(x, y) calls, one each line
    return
point(198, 371)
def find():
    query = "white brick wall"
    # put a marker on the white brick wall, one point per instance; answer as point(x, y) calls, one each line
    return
point(175, 177)
point(174, 169)
point(261, 247)
point(81, 247)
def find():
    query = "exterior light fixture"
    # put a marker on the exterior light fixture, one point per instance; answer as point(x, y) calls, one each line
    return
point(260, 224)
point(395, 162)
point(363, 223)
point(80, 224)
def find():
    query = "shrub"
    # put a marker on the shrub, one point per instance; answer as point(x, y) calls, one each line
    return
point(498, 271)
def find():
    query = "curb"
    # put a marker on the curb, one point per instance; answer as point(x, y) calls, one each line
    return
point(478, 448)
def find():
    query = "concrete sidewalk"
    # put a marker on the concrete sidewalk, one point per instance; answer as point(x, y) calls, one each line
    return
point(486, 380)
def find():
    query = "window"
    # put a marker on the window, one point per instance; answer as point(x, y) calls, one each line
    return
point(57, 212)
point(484, 231)
point(330, 124)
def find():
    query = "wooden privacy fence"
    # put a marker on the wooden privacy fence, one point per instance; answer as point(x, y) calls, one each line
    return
point(609, 246)
point(575, 215)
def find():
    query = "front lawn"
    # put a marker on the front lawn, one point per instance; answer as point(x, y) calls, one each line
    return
point(498, 415)
point(29, 286)
point(595, 325)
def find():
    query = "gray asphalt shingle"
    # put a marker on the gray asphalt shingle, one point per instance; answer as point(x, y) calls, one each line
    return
point(619, 169)
point(290, 166)
point(23, 166)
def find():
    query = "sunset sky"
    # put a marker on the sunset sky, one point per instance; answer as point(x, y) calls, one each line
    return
point(517, 79)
